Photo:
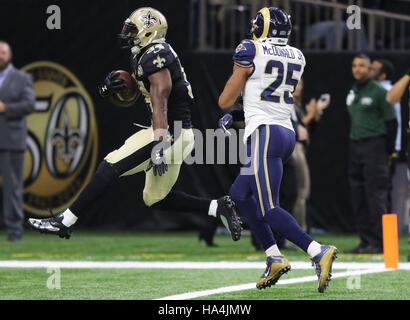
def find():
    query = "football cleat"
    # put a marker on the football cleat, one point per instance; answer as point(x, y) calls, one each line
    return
point(323, 266)
point(51, 225)
point(276, 266)
point(226, 211)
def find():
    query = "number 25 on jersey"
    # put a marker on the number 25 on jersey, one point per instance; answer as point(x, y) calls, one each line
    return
point(268, 93)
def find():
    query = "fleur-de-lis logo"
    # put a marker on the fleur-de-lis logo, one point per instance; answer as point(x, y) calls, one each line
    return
point(68, 138)
point(159, 62)
point(149, 20)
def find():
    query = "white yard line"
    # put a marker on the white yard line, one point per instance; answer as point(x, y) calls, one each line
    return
point(296, 265)
point(248, 286)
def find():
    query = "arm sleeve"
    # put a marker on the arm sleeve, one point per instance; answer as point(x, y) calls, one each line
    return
point(158, 58)
point(244, 54)
point(26, 103)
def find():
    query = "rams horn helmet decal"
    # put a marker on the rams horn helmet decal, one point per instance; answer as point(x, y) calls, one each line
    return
point(271, 24)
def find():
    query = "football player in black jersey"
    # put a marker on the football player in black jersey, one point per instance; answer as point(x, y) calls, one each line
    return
point(158, 150)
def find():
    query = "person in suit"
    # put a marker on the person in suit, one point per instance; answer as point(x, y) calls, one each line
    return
point(17, 100)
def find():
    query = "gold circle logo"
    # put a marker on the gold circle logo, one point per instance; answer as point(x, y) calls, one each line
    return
point(62, 141)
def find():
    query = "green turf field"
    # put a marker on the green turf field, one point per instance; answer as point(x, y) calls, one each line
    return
point(148, 283)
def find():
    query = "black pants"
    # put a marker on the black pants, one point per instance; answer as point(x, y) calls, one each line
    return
point(368, 176)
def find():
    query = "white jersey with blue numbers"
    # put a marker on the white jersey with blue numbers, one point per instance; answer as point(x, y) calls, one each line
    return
point(267, 95)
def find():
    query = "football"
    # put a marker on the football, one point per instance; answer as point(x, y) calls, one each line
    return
point(129, 95)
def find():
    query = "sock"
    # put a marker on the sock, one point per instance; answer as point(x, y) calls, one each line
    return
point(314, 248)
point(69, 218)
point(273, 251)
point(181, 201)
point(283, 222)
point(213, 206)
point(99, 183)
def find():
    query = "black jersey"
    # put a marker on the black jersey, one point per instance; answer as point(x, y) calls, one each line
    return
point(180, 100)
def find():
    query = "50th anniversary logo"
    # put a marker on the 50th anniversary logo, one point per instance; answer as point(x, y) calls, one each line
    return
point(62, 142)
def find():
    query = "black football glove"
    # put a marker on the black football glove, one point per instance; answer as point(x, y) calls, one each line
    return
point(111, 85)
point(157, 162)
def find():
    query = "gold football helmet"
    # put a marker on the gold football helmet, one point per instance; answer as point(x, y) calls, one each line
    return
point(144, 26)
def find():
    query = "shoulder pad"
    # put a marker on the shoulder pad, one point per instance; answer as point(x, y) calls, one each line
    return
point(156, 58)
point(244, 53)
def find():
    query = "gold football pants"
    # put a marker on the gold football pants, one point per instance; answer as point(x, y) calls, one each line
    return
point(156, 187)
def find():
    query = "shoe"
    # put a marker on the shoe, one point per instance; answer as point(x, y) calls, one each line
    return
point(276, 266)
point(51, 225)
point(323, 266)
point(371, 250)
point(226, 211)
point(356, 249)
point(208, 232)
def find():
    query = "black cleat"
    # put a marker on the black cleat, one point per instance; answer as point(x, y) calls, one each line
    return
point(51, 225)
point(227, 213)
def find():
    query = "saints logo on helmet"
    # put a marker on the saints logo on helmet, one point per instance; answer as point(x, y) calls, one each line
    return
point(143, 27)
point(271, 24)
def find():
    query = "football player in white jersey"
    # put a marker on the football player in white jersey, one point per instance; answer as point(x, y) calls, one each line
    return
point(266, 70)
